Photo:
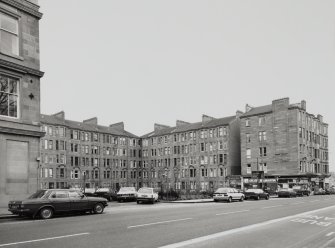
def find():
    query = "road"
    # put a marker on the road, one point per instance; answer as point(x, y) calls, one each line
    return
point(296, 222)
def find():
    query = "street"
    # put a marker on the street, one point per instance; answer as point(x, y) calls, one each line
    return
point(278, 222)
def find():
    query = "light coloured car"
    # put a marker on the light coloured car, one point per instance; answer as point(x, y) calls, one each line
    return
point(126, 194)
point(228, 194)
point(146, 195)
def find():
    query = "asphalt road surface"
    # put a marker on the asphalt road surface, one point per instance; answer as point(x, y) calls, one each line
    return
point(296, 222)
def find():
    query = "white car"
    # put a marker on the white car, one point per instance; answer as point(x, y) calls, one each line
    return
point(146, 195)
point(228, 194)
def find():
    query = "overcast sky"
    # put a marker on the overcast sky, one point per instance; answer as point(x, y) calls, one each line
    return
point(146, 62)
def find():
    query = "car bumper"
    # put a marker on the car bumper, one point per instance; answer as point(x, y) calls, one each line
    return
point(145, 199)
point(221, 198)
point(126, 198)
point(21, 211)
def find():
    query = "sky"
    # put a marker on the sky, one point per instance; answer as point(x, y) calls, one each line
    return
point(145, 62)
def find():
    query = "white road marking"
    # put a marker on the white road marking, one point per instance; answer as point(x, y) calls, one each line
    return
point(240, 229)
point(20, 222)
point(160, 222)
point(329, 234)
point(275, 206)
point(39, 240)
point(297, 203)
point(233, 212)
point(314, 201)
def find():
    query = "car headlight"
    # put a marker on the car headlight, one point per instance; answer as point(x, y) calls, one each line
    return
point(22, 206)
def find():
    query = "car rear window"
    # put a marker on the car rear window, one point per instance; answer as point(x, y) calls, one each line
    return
point(145, 191)
point(127, 189)
point(223, 190)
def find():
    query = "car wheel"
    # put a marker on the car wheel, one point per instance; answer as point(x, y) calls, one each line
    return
point(242, 199)
point(152, 201)
point(267, 197)
point(230, 200)
point(215, 200)
point(257, 197)
point(46, 213)
point(138, 202)
point(98, 208)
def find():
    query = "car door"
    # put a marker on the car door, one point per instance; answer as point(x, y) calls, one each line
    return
point(78, 201)
point(236, 194)
point(60, 201)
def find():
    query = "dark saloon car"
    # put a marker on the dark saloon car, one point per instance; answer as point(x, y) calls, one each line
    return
point(287, 193)
point(301, 190)
point(256, 194)
point(46, 203)
point(126, 194)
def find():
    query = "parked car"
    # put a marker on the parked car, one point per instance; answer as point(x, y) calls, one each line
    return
point(105, 193)
point(227, 194)
point(287, 192)
point(301, 190)
point(319, 191)
point(256, 194)
point(330, 191)
point(146, 195)
point(126, 194)
point(46, 203)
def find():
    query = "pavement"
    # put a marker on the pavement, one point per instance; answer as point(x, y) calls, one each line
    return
point(278, 222)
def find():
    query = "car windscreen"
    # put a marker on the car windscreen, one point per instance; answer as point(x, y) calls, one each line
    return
point(145, 191)
point(38, 194)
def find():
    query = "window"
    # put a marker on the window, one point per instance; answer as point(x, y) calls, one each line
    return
point(248, 152)
point(8, 96)
point(262, 151)
point(248, 168)
point(262, 136)
point(9, 35)
point(261, 120)
point(192, 172)
point(247, 122)
point(248, 137)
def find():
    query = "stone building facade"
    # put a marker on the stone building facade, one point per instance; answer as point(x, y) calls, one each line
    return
point(19, 98)
point(283, 143)
point(192, 157)
point(85, 154)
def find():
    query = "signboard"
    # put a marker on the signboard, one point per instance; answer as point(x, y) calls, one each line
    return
point(254, 180)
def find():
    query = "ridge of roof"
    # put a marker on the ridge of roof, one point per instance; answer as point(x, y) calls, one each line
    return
point(258, 110)
point(50, 119)
point(191, 126)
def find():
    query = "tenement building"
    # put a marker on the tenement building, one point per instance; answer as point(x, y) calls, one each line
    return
point(88, 155)
point(19, 98)
point(282, 144)
point(192, 157)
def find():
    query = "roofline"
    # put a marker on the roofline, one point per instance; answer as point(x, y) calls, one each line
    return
point(194, 129)
point(128, 134)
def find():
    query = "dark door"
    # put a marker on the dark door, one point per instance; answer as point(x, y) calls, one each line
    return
point(60, 201)
point(79, 202)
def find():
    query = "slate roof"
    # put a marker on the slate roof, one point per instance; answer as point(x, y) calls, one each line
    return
point(192, 126)
point(258, 110)
point(53, 120)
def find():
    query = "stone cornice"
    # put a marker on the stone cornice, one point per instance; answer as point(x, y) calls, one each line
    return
point(25, 6)
point(21, 68)
point(25, 132)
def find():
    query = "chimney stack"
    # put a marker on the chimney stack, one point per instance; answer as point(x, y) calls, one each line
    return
point(119, 126)
point(92, 121)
